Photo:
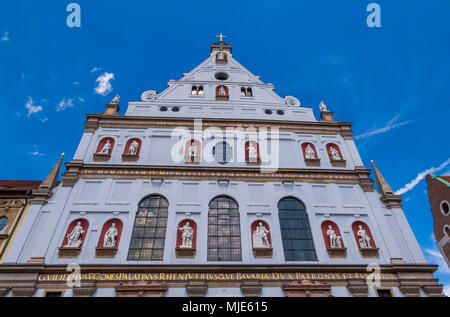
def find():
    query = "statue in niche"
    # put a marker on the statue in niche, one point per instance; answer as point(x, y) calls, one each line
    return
point(192, 150)
point(132, 150)
point(187, 236)
point(310, 154)
point(109, 240)
point(222, 91)
point(335, 154)
point(252, 152)
point(116, 100)
point(323, 107)
point(260, 237)
point(221, 55)
point(364, 239)
point(74, 238)
point(106, 148)
point(335, 240)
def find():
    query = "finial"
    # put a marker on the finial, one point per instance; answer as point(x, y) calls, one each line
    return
point(221, 36)
point(116, 100)
point(371, 161)
point(63, 154)
point(323, 107)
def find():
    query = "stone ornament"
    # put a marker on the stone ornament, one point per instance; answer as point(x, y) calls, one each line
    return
point(109, 240)
point(116, 100)
point(335, 240)
point(149, 95)
point(134, 146)
point(292, 101)
point(334, 153)
point(187, 236)
point(74, 239)
point(106, 148)
point(310, 154)
point(323, 107)
point(222, 91)
point(260, 237)
point(364, 239)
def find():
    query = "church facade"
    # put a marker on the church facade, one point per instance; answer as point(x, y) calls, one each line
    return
point(216, 186)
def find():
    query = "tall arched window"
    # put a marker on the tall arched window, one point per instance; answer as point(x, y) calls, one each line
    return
point(298, 244)
point(224, 230)
point(149, 233)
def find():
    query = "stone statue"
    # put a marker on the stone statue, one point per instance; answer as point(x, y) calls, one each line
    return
point(335, 240)
point(222, 91)
point(335, 154)
point(116, 100)
point(109, 240)
point(220, 55)
point(187, 236)
point(74, 238)
point(310, 154)
point(132, 150)
point(260, 238)
point(364, 239)
point(252, 152)
point(323, 107)
point(106, 148)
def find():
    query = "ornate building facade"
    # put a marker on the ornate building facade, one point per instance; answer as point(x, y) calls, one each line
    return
point(216, 186)
point(439, 196)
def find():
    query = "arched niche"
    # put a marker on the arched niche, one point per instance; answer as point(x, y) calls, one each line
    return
point(74, 238)
point(192, 151)
point(107, 248)
point(333, 239)
point(186, 239)
point(310, 154)
point(252, 153)
point(364, 239)
point(104, 149)
point(132, 150)
point(261, 239)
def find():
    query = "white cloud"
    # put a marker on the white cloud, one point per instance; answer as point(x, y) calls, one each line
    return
point(76, 83)
point(36, 152)
point(421, 176)
point(95, 69)
point(5, 37)
point(81, 99)
point(104, 86)
point(44, 120)
point(64, 104)
point(32, 109)
point(382, 130)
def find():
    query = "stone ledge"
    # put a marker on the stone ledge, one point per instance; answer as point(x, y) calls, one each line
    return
point(339, 163)
point(369, 252)
point(69, 253)
point(223, 98)
point(263, 252)
point(337, 252)
point(312, 162)
point(185, 252)
point(101, 157)
point(105, 252)
point(130, 158)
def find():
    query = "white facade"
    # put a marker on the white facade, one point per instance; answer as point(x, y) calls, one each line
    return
point(100, 199)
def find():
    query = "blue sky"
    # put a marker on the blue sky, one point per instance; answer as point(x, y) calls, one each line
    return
point(392, 82)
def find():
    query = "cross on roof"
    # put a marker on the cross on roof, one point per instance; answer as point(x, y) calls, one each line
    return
point(221, 36)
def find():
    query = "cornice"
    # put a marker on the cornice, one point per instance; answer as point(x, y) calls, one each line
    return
point(77, 169)
point(94, 121)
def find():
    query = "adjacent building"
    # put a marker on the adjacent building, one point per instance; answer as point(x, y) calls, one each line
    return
point(439, 195)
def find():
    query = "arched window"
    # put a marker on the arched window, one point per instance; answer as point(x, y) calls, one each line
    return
point(149, 233)
point(298, 244)
point(197, 90)
point(222, 153)
point(224, 230)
